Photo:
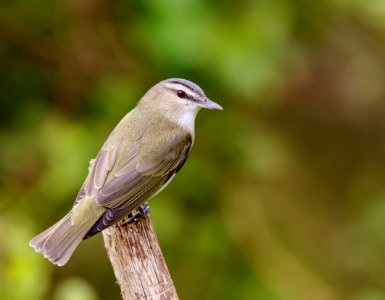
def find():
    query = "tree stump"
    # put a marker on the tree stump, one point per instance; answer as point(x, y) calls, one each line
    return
point(138, 262)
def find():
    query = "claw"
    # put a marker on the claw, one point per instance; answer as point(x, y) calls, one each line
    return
point(143, 211)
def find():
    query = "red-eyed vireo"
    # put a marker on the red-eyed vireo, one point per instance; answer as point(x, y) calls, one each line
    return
point(140, 157)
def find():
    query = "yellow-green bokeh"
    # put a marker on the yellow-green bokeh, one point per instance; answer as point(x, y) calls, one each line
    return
point(283, 195)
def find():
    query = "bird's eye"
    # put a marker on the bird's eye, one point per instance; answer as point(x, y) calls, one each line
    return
point(181, 94)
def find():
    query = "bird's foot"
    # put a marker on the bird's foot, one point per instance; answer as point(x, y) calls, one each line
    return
point(143, 211)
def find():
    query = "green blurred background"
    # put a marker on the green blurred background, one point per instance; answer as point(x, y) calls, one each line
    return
point(283, 196)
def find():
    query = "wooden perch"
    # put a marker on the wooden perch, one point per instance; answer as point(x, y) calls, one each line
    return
point(138, 262)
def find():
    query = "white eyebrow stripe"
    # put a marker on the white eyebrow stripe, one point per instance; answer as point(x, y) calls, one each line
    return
point(177, 86)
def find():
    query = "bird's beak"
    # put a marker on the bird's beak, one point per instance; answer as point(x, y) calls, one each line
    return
point(207, 103)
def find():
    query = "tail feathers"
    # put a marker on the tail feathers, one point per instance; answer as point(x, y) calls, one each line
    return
point(58, 242)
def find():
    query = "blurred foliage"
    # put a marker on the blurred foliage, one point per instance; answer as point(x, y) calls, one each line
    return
point(283, 196)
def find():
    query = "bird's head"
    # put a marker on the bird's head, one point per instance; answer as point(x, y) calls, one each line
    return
point(178, 100)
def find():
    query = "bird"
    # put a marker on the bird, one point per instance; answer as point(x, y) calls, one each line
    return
point(138, 160)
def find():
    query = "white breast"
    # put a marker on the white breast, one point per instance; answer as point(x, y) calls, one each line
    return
point(186, 118)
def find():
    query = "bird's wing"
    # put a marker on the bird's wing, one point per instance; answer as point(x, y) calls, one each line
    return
point(132, 184)
point(97, 172)
point(83, 189)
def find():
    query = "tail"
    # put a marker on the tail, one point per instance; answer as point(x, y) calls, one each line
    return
point(58, 242)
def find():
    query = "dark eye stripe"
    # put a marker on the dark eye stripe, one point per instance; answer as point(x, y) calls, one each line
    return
point(177, 87)
point(188, 96)
point(191, 87)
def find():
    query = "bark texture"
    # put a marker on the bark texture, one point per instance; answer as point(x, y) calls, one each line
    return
point(137, 260)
